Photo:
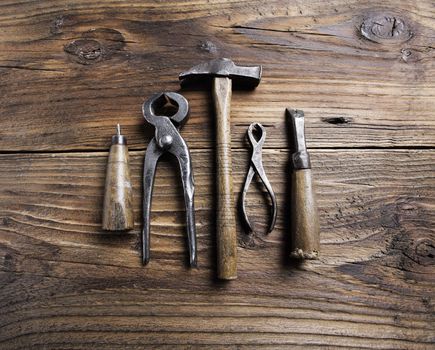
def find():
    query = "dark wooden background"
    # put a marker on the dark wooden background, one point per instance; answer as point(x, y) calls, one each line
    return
point(364, 75)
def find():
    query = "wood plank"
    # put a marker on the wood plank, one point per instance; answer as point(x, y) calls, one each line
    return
point(67, 285)
point(70, 72)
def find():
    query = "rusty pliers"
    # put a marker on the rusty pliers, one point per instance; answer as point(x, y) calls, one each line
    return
point(167, 139)
point(256, 166)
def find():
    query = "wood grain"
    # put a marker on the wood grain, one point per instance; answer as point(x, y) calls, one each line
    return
point(225, 215)
point(66, 285)
point(69, 72)
point(363, 72)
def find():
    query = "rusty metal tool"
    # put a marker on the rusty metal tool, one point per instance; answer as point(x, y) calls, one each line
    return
point(256, 167)
point(304, 215)
point(118, 203)
point(167, 139)
point(223, 72)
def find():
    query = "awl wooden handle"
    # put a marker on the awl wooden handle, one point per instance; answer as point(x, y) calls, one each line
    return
point(118, 203)
point(225, 221)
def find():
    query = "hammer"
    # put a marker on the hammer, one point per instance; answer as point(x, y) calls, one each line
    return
point(223, 71)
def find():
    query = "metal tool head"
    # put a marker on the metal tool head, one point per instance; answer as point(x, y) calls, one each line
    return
point(242, 76)
point(256, 135)
point(159, 100)
point(119, 139)
point(300, 156)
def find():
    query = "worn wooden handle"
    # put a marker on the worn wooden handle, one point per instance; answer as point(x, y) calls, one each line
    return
point(304, 217)
point(225, 221)
point(118, 204)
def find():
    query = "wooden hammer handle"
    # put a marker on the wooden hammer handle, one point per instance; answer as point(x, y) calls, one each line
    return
point(225, 221)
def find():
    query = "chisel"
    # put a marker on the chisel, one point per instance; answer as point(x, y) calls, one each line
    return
point(304, 215)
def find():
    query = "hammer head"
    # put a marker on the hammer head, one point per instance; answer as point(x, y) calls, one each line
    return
point(242, 76)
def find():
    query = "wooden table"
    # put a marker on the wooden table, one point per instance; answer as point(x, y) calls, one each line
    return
point(364, 75)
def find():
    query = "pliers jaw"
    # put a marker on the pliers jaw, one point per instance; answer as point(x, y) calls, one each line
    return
point(167, 139)
point(256, 167)
point(161, 99)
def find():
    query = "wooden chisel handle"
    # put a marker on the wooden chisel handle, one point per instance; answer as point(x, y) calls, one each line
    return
point(225, 220)
point(304, 215)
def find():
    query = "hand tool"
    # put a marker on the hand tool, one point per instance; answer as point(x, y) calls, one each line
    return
point(167, 139)
point(223, 71)
point(304, 215)
point(256, 167)
point(118, 207)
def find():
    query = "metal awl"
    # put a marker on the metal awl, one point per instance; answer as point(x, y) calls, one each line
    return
point(167, 139)
point(256, 167)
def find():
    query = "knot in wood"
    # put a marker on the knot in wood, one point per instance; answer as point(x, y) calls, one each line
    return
point(6, 221)
point(385, 28)
point(56, 26)
point(87, 51)
point(207, 46)
point(336, 120)
point(425, 252)
point(411, 55)
point(95, 45)
point(8, 261)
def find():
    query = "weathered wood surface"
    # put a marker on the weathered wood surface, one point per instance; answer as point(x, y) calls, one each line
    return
point(67, 285)
point(70, 71)
point(364, 75)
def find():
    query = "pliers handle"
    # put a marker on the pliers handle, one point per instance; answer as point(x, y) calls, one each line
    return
point(256, 167)
point(167, 139)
